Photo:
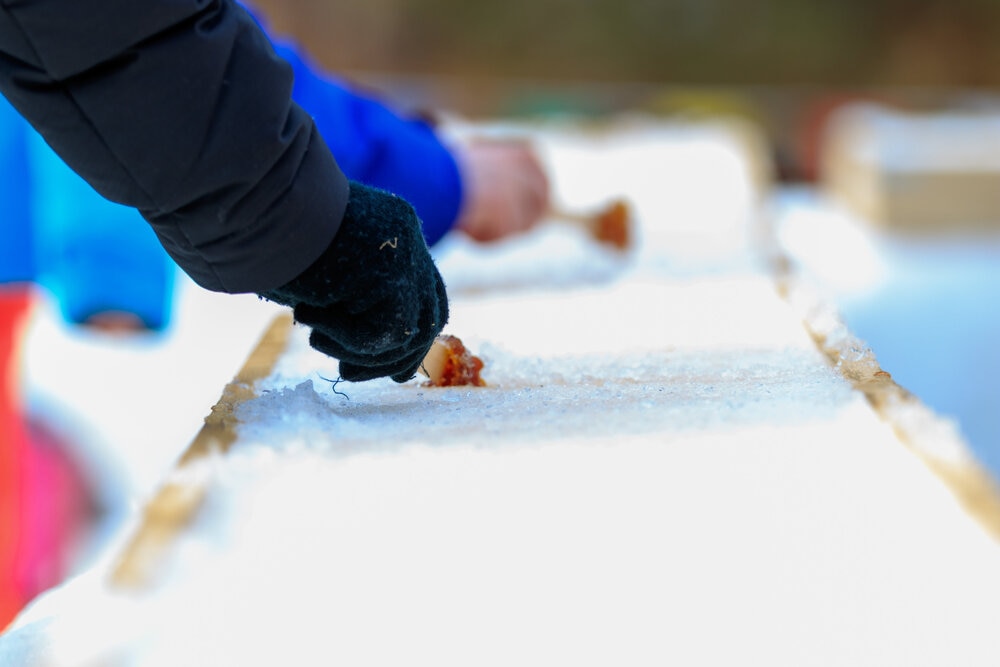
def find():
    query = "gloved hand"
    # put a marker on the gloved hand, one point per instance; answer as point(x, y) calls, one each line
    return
point(374, 298)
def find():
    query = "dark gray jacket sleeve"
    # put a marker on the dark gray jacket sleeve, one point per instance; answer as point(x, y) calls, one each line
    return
point(181, 109)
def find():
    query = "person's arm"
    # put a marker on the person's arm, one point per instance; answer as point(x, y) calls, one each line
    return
point(487, 189)
point(385, 148)
point(182, 110)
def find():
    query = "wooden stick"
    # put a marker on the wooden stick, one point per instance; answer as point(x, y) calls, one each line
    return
point(610, 225)
point(449, 364)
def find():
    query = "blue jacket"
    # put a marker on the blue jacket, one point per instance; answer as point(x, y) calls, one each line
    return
point(377, 146)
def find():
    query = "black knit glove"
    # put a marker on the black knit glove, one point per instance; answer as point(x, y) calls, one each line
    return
point(374, 298)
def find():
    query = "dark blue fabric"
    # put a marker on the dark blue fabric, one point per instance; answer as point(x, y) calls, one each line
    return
point(93, 255)
point(378, 146)
point(181, 109)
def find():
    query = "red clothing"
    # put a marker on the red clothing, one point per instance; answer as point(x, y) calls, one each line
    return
point(44, 498)
point(13, 443)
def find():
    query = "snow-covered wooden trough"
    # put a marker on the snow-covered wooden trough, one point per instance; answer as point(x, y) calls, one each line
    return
point(678, 459)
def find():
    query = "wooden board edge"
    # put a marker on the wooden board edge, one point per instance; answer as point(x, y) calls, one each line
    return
point(932, 438)
point(176, 503)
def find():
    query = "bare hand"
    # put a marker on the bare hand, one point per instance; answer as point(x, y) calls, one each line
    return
point(506, 188)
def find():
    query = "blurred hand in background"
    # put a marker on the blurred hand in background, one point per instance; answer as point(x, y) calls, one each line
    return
point(505, 185)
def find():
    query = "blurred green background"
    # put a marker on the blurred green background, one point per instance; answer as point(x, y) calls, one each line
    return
point(911, 42)
point(784, 63)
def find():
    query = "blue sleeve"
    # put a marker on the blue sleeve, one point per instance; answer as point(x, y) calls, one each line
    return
point(16, 247)
point(377, 146)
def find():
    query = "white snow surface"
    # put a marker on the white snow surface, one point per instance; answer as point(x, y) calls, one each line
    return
point(920, 301)
point(663, 470)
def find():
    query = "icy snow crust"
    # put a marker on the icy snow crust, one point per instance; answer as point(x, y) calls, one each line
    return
point(663, 470)
point(633, 358)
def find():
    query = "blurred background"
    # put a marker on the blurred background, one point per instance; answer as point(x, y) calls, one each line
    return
point(784, 63)
point(881, 120)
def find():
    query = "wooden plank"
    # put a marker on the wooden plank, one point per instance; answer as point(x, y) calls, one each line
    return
point(176, 503)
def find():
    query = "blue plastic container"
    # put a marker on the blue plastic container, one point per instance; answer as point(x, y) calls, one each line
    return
point(92, 255)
